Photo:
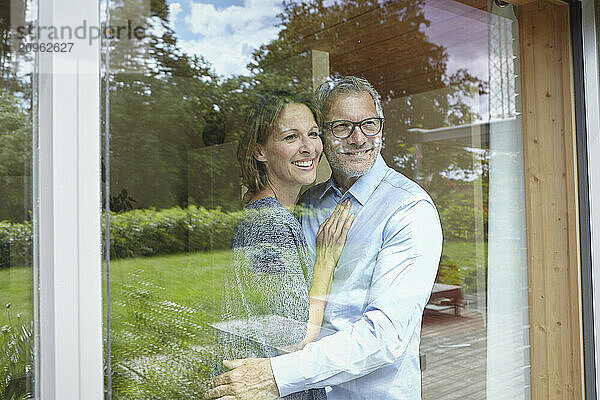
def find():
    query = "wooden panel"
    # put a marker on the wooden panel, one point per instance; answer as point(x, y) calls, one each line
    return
point(520, 2)
point(552, 238)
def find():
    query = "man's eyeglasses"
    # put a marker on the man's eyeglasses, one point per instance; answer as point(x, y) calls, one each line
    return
point(342, 129)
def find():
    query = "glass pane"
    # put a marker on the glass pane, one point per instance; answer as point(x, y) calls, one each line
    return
point(179, 95)
point(17, 105)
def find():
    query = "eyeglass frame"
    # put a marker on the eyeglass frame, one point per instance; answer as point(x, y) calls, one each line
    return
point(354, 125)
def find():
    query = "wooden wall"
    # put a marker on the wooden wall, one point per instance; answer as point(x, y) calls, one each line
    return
point(551, 197)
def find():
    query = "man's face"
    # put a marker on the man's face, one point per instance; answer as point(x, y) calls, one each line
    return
point(355, 155)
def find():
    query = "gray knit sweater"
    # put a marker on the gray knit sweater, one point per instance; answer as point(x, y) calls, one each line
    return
point(266, 288)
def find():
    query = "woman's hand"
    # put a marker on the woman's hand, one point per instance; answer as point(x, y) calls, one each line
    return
point(331, 235)
point(331, 238)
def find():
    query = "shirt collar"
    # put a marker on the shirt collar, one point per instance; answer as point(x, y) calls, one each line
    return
point(362, 189)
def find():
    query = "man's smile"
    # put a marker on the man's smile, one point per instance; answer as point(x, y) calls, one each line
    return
point(356, 153)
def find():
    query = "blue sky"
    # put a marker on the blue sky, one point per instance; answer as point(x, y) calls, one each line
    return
point(225, 32)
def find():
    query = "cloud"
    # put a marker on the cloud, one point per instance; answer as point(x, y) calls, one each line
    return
point(174, 11)
point(227, 36)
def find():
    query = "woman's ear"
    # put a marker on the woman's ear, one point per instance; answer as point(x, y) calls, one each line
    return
point(258, 153)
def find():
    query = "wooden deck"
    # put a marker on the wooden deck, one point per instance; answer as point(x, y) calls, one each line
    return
point(455, 356)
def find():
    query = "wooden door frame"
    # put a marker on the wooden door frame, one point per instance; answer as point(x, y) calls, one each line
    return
point(554, 150)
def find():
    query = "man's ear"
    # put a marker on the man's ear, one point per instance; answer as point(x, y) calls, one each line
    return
point(258, 153)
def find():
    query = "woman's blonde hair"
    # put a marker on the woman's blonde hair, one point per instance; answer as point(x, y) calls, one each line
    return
point(259, 125)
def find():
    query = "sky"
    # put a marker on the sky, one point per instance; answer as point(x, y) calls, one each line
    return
point(225, 32)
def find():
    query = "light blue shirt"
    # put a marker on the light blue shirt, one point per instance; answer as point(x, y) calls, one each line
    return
point(380, 287)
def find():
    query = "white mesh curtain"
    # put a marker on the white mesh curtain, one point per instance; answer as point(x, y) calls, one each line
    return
point(507, 321)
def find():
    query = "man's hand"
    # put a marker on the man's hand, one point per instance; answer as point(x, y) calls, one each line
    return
point(249, 379)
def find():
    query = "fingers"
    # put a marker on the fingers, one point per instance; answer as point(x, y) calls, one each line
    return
point(223, 379)
point(221, 393)
point(333, 227)
point(322, 226)
point(329, 221)
point(346, 227)
point(342, 216)
point(231, 364)
point(215, 393)
point(339, 216)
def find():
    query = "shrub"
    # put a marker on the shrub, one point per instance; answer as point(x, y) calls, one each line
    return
point(15, 244)
point(174, 230)
point(138, 233)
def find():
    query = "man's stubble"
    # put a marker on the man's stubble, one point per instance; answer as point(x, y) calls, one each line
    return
point(346, 170)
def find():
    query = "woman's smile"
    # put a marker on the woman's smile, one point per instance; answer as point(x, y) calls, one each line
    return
point(307, 164)
point(292, 150)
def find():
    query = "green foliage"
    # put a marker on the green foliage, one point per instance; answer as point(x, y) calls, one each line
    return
point(448, 272)
point(15, 159)
point(459, 264)
point(15, 244)
point(139, 233)
point(16, 358)
point(150, 232)
point(157, 353)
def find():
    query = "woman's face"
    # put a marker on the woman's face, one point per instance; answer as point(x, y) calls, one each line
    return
point(293, 148)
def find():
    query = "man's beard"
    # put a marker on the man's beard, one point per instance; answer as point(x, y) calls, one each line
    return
point(347, 170)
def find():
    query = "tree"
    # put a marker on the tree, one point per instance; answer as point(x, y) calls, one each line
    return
point(15, 159)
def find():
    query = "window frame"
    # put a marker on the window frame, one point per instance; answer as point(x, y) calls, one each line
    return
point(67, 264)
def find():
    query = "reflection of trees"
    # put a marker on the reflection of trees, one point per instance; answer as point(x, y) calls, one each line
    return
point(15, 120)
point(386, 42)
point(9, 59)
point(15, 159)
point(162, 98)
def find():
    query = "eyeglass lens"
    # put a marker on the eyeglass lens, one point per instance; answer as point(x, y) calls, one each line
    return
point(369, 127)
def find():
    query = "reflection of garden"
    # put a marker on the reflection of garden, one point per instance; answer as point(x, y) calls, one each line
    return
point(175, 185)
point(160, 310)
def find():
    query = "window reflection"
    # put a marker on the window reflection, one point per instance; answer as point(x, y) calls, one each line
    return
point(446, 72)
point(16, 275)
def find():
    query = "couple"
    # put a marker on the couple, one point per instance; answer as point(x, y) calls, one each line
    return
point(374, 257)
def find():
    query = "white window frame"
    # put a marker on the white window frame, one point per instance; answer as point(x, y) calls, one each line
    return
point(67, 202)
point(67, 210)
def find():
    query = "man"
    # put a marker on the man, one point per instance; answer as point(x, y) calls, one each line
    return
point(382, 281)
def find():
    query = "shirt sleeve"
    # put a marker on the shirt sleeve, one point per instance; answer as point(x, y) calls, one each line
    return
point(400, 288)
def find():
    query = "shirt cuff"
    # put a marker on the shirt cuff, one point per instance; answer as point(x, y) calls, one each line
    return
point(286, 373)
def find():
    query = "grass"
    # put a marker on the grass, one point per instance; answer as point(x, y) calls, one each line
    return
point(192, 279)
point(16, 289)
point(160, 310)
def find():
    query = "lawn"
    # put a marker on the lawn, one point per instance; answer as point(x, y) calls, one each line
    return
point(192, 279)
point(16, 294)
point(160, 310)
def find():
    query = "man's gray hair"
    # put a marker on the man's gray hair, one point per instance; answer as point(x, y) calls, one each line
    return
point(345, 85)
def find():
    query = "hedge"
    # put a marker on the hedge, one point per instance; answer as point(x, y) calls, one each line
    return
point(139, 233)
point(174, 230)
point(15, 244)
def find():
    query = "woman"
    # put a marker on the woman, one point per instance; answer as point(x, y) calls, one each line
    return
point(272, 287)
